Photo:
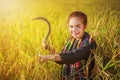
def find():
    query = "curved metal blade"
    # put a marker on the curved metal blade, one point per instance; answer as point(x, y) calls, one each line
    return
point(49, 26)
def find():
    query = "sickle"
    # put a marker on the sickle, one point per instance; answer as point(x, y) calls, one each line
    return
point(46, 45)
point(49, 26)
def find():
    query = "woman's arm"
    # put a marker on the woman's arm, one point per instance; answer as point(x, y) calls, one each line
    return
point(67, 57)
point(55, 57)
point(75, 55)
point(70, 56)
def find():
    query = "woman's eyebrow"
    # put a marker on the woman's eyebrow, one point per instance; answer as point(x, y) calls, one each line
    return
point(77, 24)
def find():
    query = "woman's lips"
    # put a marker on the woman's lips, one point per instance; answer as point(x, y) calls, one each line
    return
point(75, 34)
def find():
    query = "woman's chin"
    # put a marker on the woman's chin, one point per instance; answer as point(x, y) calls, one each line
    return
point(77, 37)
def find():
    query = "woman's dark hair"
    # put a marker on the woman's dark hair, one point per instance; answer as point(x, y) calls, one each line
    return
point(80, 15)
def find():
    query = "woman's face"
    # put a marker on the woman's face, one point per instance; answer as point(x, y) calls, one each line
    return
point(76, 27)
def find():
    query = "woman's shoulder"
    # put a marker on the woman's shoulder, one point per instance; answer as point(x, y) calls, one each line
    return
point(88, 38)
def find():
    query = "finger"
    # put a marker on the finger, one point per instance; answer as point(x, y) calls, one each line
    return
point(41, 60)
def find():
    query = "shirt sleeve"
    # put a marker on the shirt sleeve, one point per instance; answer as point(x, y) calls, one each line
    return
point(78, 54)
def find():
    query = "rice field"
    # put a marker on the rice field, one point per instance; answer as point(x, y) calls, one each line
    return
point(21, 38)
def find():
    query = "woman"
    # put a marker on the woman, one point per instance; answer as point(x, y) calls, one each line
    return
point(77, 57)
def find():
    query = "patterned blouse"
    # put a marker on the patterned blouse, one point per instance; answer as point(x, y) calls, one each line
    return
point(77, 58)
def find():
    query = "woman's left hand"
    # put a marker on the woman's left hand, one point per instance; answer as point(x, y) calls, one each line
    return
point(46, 57)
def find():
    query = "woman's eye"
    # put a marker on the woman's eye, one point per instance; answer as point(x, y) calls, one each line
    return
point(78, 26)
point(71, 26)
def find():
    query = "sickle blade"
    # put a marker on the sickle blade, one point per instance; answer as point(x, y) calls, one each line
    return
point(45, 44)
point(49, 26)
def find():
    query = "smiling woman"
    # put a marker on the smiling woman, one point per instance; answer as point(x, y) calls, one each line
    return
point(21, 38)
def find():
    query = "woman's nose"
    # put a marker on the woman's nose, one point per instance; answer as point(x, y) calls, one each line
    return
point(74, 29)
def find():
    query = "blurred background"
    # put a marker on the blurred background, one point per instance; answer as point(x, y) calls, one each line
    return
point(21, 38)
